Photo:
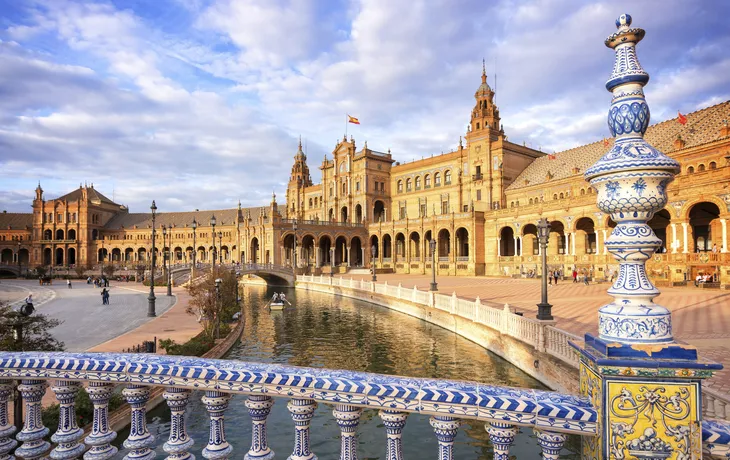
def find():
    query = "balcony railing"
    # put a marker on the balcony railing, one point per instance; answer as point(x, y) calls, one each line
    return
point(504, 410)
point(321, 222)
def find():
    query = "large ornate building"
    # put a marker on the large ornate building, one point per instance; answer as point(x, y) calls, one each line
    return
point(479, 202)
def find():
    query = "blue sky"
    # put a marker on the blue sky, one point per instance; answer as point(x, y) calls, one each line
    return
point(200, 103)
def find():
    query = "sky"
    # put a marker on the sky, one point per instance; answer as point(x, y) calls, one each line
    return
point(198, 104)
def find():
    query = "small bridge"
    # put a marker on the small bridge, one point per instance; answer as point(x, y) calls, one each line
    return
point(276, 275)
point(7, 270)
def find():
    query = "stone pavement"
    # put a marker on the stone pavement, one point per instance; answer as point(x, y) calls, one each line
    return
point(700, 317)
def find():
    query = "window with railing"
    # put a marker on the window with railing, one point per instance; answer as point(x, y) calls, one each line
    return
point(447, 178)
point(437, 180)
point(400, 186)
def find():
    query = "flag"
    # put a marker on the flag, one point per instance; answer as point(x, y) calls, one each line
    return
point(681, 118)
point(551, 156)
point(605, 142)
point(353, 120)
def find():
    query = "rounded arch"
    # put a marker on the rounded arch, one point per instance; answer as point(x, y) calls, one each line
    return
point(462, 243)
point(356, 256)
point(427, 181)
point(116, 255)
point(585, 236)
point(557, 240)
point(690, 170)
point(713, 165)
point(341, 250)
point(72, 235)
point(48, 234)
point(414, 245)
point(399, 186)
point(701, 167)
point(418, 182)
point(409, 185)
point(71, 256)
point(254, 250)
point(436, 179)
point(95, 234)
point(374, 244)
point(307, 254)
point(507, 241)
point(344, 214)
point(447, 177)
point(387, 246)
point(129, 254)
point(59, 256)
point(378, 211)
point(400, 245)
point(6, 256)
point(530, 243)
point(325, 244)
point(705, 227)
point(59, 234)
point(287, 242)
point(659, 223)
point(444, 244)
point(358, 213)
point(717, 201)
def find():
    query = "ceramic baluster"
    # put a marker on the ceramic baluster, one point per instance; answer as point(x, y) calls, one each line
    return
point(302, 411)
point(101, 436)
point(178, 443)
point(33, 430)
point(445, 429)
point(394, 422)
point(140, 440)
point(69, 434)
point(502, 436)
point(7, 429)
point(551, 443)
point(348, 418)
point(216, 403)
point(259, 407)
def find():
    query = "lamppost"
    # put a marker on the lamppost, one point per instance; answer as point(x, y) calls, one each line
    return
point(164, 251)
point(19, 269)
point(101, 274)
point(220, 248)
point(169, 263)
point(294, 255)
point(373, 250)
point(217, 307)
point(543, 233)
point(212, 224)
point(432, 245)
point(151, 297)
point(195, 249)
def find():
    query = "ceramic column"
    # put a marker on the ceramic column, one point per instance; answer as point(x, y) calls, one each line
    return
point(140, 440)
point(551, 443)
point(348, 418)
point(394, 422)
point(33, 430)
point(259, 407)
point(502, 436)
point(302, 412)
point(178, 443)
point(68, 434)
point(101, 436)
point(445, 429)
point(216, 403)
point(7, 429)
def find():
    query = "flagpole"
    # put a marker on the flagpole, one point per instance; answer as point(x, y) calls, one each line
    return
point(345, 126)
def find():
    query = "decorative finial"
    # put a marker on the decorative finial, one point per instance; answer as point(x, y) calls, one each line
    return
point(631, 180)
point(484, 71)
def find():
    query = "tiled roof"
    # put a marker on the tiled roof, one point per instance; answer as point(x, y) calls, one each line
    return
point(702, 126)
point(180, 219)
point(92, 193)
point(15, 220)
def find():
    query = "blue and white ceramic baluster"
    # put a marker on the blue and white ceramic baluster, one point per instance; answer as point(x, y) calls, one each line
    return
point(179, 442)
point(502, 436)
point(302, 412)
point(101, 436)
point(394, 422)
point(33, 430)
point(445, 429)
point(140, 440)
point(551, 443)
point(7, 429)
point(631, 181)
point(348, 418)
point(259, 407)
point(216, 402)
point(69, 434)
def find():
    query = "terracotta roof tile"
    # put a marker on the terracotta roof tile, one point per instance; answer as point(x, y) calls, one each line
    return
point(223, 217)
point(15, 221)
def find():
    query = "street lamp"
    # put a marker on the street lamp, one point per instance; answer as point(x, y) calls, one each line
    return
point(432, 245)
point(102, 256)
point(169, 262)
point(543, 233)
point(373, 250)
point(220, 248)
point(151, 297)
point(294, 255)
point(19, 268)
point(212, 224)
point(217, 307)
point(195, 249)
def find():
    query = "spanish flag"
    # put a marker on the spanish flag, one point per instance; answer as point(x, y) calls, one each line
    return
point(353, 120)
point(681, 118)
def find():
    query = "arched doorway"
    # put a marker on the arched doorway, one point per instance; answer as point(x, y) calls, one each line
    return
point(6, 256)
point(202, 255)
point(414, 248)
point(59, 256)
point(332, 215)
point(387, 247)
point(507, 242)
point(141, 254)
point(556, 242)
point(59, 234)
point(341, 250)
point(378, 211)
point(95, 234)
point(307, 250)
point(128, 254)
point(48, 235)
point(374, 244)
point(530, 244)
point(705, 227)
point(254, 251)
point(356, 256)
point(427, 237)
point(288, 255)
point(101, 255)
point(343, 214)
point(24, 256)
point(177, 255)
point(116, 255)
point(325, 246)
point(444, 245)
point(659, 224)
point(358, 214)
point(400, 246)
point(71, 256)
point(585, 236)
point(462, 244)
point(72, 235)
point(47, 256)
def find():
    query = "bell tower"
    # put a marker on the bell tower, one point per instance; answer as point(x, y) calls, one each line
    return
point(298, 181)
point(485, 115)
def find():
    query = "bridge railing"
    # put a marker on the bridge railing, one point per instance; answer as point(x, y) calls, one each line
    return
point(448, 402)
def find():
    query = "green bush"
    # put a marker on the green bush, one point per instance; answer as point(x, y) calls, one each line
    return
point(197, 346)
point(84, 410)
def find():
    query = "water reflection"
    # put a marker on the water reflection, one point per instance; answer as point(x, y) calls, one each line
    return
point(325, 331)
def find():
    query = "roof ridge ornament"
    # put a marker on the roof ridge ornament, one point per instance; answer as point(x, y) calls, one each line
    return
point(631, 181)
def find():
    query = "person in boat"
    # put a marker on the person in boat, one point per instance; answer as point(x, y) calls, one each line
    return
point(275, 298)
point(282, 297)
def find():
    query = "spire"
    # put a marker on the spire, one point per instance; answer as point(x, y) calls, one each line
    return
point(631, 180)
point(484, 71)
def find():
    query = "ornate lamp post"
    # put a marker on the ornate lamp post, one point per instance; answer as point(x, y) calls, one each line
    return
point(151, 297)
point(373, 250)
point(169, 263)
point(294, 255)
point(164, 251)
point(19, 267)
point(543, 233)
point(220, 247)
point(101, 272)
point(432, 245)
point(195, 249)
point(217, 307)
point(212, 224)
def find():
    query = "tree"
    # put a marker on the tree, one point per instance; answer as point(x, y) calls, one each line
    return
point(36, 334)
point(80, 270)
point(109, 270)
point(41, 271)
point(203, 302)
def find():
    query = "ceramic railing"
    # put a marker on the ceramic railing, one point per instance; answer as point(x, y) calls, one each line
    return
point(504, 410)
point(542, 335)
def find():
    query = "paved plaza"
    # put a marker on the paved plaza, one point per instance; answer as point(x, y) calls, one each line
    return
point(86, 322)
point(700, 317)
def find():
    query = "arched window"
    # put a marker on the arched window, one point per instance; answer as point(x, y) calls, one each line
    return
point(511, 204)
point(530, 202)
point(427, 181)
point(691, 170)
point(561, 196)
point(409, 185)
point(447, 177)
point(310, 202)
point(342, 166)
point(418, 183)
point(555, 196)
point(437, 180)
point(400, 186)
point(582, 191)
point(713, 165)
point(700, 168)
point(344, 188)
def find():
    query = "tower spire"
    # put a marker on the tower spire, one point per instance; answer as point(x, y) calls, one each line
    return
point(484, 71)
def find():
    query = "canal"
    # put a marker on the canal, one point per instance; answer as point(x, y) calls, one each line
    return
point(340, 333)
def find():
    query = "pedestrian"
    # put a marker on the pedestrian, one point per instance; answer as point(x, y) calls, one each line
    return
point(550, 277)
point(103, 297)
point(575, 275)
point(585, 277)
point(556, 274)
point(107, 297)
point(68, 283)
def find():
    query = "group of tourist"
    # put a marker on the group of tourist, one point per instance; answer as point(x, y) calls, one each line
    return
point(98, 282)
point(702, 279)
